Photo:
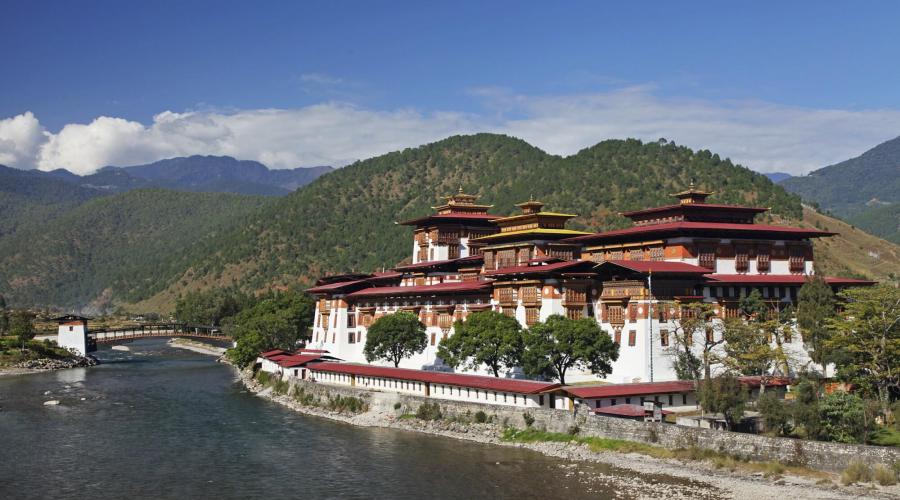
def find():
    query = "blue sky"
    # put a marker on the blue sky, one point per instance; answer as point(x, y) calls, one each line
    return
point(776, 85)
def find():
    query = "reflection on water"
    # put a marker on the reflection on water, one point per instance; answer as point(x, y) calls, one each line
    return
point(157, 422)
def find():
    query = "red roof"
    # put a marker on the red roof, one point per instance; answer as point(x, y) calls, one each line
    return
point(781, 279)
point(454, 287)
point(436, 263)
point(331, 287)
point(556, 266)
point(298, 360)
point(273, 352)
point(756, 381)
point(674, 227)
point(455, 379)
point(695, 206)
point(645, 266)
point(317, 351)
point(479, 218)
point(624, 390)
point(624, 410)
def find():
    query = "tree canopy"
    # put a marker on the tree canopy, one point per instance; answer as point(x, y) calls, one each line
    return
point(815, 309)
point(554, 346)
point(273, 322)
point(485, 338)
point(394, 337)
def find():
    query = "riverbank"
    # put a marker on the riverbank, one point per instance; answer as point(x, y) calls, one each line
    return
point(43, 365)
point(704, 478)
point(195, 346)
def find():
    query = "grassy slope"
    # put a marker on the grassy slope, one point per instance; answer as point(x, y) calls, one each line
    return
point(853, 252)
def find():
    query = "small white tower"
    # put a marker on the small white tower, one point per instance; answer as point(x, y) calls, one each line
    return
point(72, 334)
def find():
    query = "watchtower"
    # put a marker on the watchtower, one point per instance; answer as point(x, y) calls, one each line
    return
point(73, 334)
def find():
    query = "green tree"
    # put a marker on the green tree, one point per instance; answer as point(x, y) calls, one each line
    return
point(747, 347)
point(210, 307)
point(806, 407)
point(842, 418)
point(724, 395)
point(275, 322)
point(695, 322)
point(815, 310)
point(486, 338)
point(775, 412)
point(559, 343)
point(868, 333)
point(753, 307)
point(21, 325)
point(394, 337)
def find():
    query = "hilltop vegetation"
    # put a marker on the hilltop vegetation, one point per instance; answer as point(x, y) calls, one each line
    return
point(121, 247)
point(345, 220)
point(147, 248)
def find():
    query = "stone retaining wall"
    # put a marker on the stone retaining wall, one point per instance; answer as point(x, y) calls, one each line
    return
point(814, 454)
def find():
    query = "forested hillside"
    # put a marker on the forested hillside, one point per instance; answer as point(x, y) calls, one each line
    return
point(28, 198)
point(345, 220)
point(117, 248)
point(864, 191)
point(148, 247)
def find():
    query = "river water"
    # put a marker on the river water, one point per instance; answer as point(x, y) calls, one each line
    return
point(159, 422)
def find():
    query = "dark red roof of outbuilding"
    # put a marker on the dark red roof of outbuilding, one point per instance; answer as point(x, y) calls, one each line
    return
point(638, 389)
point(273, 352)
point(298, 359)
point(441, 288)
point(455, 379)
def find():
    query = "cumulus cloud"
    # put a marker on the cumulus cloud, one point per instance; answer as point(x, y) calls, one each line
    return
point(763, 136)
point(20, 138)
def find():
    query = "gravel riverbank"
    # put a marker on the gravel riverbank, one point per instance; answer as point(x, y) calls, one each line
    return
point(695, 479)
point(42, 365)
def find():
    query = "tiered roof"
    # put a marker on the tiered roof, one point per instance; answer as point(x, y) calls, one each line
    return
point(460, 208)
point(532, 222)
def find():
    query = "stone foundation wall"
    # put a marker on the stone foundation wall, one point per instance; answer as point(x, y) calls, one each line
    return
point(814, 454)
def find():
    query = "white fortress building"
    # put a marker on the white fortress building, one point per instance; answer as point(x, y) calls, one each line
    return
point(530, 266)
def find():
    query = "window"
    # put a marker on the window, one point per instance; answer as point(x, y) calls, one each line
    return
point(657, 253)
point(710, 335)
point(617, 337)
point(707, 257)
point(528, 294)
point(636, 254)
point(632, 313)
point(71, 328)
point(741, 259)
point(797, 260)
point(433, 337)
point(632, 337)
point(616, 315)
point(574, 313)
point(628, 401)
point(506, 295)
point(532, 315)
point(506, 258)
point(684, 399)
point(664, 338)
point(445, 320)
point(671, 400)
point(541, 399)
point(510, 311)
point(763, 260)
point(489, 260)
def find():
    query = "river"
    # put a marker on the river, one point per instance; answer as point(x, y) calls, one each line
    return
point(159, 422)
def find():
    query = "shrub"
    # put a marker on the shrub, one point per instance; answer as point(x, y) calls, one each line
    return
point(348, 403)
point(775, 413)
point(429, 411)
point(263, 377)
point(397, 405)
point(280, 386)
point(842, 417)
point(480, 417)
point(773, 469)
point(856, 472)
point(884, 475)
point(725, 462)
point(529, 419)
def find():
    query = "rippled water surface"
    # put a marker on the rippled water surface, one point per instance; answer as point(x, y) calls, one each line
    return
point(157, 422)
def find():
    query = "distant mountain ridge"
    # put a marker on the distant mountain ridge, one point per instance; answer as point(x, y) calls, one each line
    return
point(197, 173)
point(864, 191)
point(778, 177)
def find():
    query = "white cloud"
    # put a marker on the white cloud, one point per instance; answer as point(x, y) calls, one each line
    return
point(20, 138)
point(763, 136)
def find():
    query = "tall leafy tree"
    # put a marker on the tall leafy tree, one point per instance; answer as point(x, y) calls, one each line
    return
point(277, 321)
point(485, 338)
point(559, 343)
point(394, 337)
point(21, 325)
point(725, 395)
point(868, 333)
point(815, 309)
point(696, 332)
point(747, 347)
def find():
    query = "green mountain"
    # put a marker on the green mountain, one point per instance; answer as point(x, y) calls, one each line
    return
point(345, 220)
point(122, 247)
point(28, 198)
point(146, 247)
point(863, 190)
